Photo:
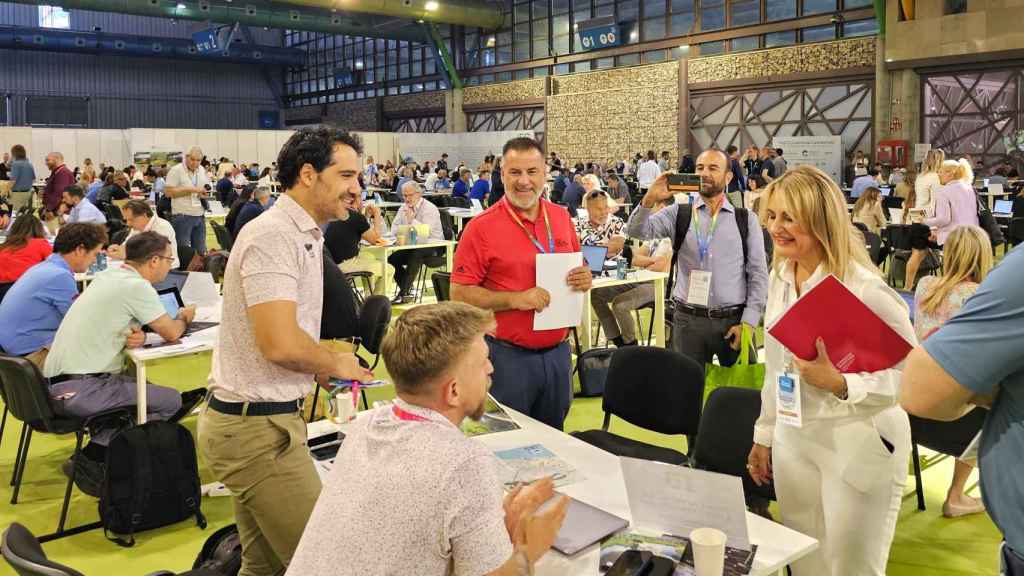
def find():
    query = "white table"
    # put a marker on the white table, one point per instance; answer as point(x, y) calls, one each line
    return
point(460, 216)
point(382, 252)
point(640, 276)
point(602, 486)
point(198, 343)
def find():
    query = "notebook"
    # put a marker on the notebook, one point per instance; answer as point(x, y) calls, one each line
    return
point(857, 340)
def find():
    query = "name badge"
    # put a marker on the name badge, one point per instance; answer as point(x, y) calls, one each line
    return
point(195, 201)
point(787, 400)
point(698, 291)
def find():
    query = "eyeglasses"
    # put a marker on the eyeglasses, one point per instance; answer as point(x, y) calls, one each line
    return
point(168, 258)
point(596, 193)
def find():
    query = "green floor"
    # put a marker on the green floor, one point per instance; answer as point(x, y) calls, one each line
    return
point(925, 543)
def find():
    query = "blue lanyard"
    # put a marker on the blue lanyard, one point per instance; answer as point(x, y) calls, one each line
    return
point(704, 241)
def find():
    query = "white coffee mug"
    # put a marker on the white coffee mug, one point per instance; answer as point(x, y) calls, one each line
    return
point(708, 551)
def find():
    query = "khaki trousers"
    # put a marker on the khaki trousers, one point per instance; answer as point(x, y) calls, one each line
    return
point(20, 199)
point(266, 464)
point(366, 263)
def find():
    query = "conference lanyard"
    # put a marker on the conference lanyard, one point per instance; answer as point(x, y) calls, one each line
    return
point(405, 415)
point(704, 241)
point(529, 234)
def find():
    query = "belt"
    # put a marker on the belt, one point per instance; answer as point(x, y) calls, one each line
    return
point(702, 312)
point(255, 408)
point(507, 344)
point(65, 377)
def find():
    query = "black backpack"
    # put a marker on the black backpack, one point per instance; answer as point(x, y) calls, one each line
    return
point(221, 553)
point(152, 480)
point(592, 366)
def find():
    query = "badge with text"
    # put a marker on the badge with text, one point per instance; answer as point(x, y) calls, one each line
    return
point(787, 401)
point(698, 292)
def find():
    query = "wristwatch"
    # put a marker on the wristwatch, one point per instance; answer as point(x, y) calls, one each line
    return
point(523, 565)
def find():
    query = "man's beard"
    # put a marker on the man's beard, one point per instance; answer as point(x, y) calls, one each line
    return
point(477, 414)
point(711, 190)
point(513, 198)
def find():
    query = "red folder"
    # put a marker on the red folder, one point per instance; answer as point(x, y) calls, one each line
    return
point(857, 340)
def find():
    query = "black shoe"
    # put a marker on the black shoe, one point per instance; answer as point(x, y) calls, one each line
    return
point(618, 342)
point(189, 400)
point(399, 299)
point(632, 343)
point(408, 299)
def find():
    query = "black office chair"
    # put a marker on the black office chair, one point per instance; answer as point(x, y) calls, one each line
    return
point(949, 438)
point(25, 555)
point(4, 287)
point(862, 227)
point(442, 282)
point(435, 261)
point(374, 319)
point(121, 236)
point(27, 396)
point(459, 202)
point(874, 244)
point(216, 265)
point(223, 235)
point(22, 551)
point(367, 280)
point(1016, 231)
point(185, 255)
point(654, 388)
point(725, 438)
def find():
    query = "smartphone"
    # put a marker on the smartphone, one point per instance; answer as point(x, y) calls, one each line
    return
point(683, 183)
point(326, 447)
point(661, 566)
point(631, 563)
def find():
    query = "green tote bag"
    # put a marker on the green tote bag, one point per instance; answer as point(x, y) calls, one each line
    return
point(745, 373)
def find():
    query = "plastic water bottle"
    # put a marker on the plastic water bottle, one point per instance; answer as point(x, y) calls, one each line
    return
point(620, 268)
point(412, 235)
point(101, 261)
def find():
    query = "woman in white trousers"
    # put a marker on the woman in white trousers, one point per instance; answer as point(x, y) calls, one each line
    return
point(840, 466)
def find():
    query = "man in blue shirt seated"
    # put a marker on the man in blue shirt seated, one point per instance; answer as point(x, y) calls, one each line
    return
point(225, 188)
point(481, 187)
point(443, 183)
point(461, 188)
point(34, 307)
point(862, 183)
point(79, 208)
point(975, 360)
point(573, 195)
point(93, 189)
point(252, 209)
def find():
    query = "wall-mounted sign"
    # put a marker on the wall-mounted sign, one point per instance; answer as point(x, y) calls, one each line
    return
point(211, 39)
point(599, 33)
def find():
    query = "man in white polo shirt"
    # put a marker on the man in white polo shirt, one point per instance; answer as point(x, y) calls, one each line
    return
point(252, 433)
point(140, 218)
point(409, 492)
point(187, 186)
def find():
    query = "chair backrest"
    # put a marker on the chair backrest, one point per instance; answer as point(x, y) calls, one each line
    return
point(374, 319)
point(22, 551)
point(874, 242)
point(442, 282)
point(655, 388)
point(185, 255)
point(726, 435)
point(1017, 229)
point(459, 202)
point(223, 235)
point(861, 226)
point(447, 225)
point(25, 392)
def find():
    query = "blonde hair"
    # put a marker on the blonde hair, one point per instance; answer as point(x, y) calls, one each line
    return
point(933, 160)
point(427, 341)
point(967, 258)
point(958, 169)
point(817, 204)
point(870, 195)
point(593, 180)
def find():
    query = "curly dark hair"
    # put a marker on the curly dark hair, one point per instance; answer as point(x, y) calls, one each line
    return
point(313, 146)
point(84, 234)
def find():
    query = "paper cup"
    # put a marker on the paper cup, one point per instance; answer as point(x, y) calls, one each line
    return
point(708, 551)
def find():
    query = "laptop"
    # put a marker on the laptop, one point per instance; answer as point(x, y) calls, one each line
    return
point(583, 525)
point(477, 207)
point(171, 299)
point(885, 191)
point(1003, 207)
point(595, 256)
point(174, 279)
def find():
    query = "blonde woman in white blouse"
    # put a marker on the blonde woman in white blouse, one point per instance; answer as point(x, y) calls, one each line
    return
point(839, 476)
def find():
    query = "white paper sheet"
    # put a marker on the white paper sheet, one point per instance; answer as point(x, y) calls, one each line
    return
point(677, 500)
point(566, 306)
point(200, 290)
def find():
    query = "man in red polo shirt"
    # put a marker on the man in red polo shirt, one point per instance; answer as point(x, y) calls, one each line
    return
point(495, 269)
point(59, 179)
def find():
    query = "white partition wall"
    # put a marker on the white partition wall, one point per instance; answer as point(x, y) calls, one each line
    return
point(42, 144)
point(248, 147)
point(266, 147)
point(113, 149)
point(64, 141)
point(87, 145)
point(227, 145)
point(11, 135)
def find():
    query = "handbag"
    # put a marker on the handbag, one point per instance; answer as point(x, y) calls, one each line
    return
point(745, 373)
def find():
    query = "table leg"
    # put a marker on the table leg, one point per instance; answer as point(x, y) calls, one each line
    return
point(385, 284)
point(659, 312)
point(588, 317)
point(140, 391)
point(449, 255)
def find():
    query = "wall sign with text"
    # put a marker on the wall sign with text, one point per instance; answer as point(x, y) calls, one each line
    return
point(598, 37)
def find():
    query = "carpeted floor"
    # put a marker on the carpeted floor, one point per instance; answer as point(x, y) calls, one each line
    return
point(926, 544)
